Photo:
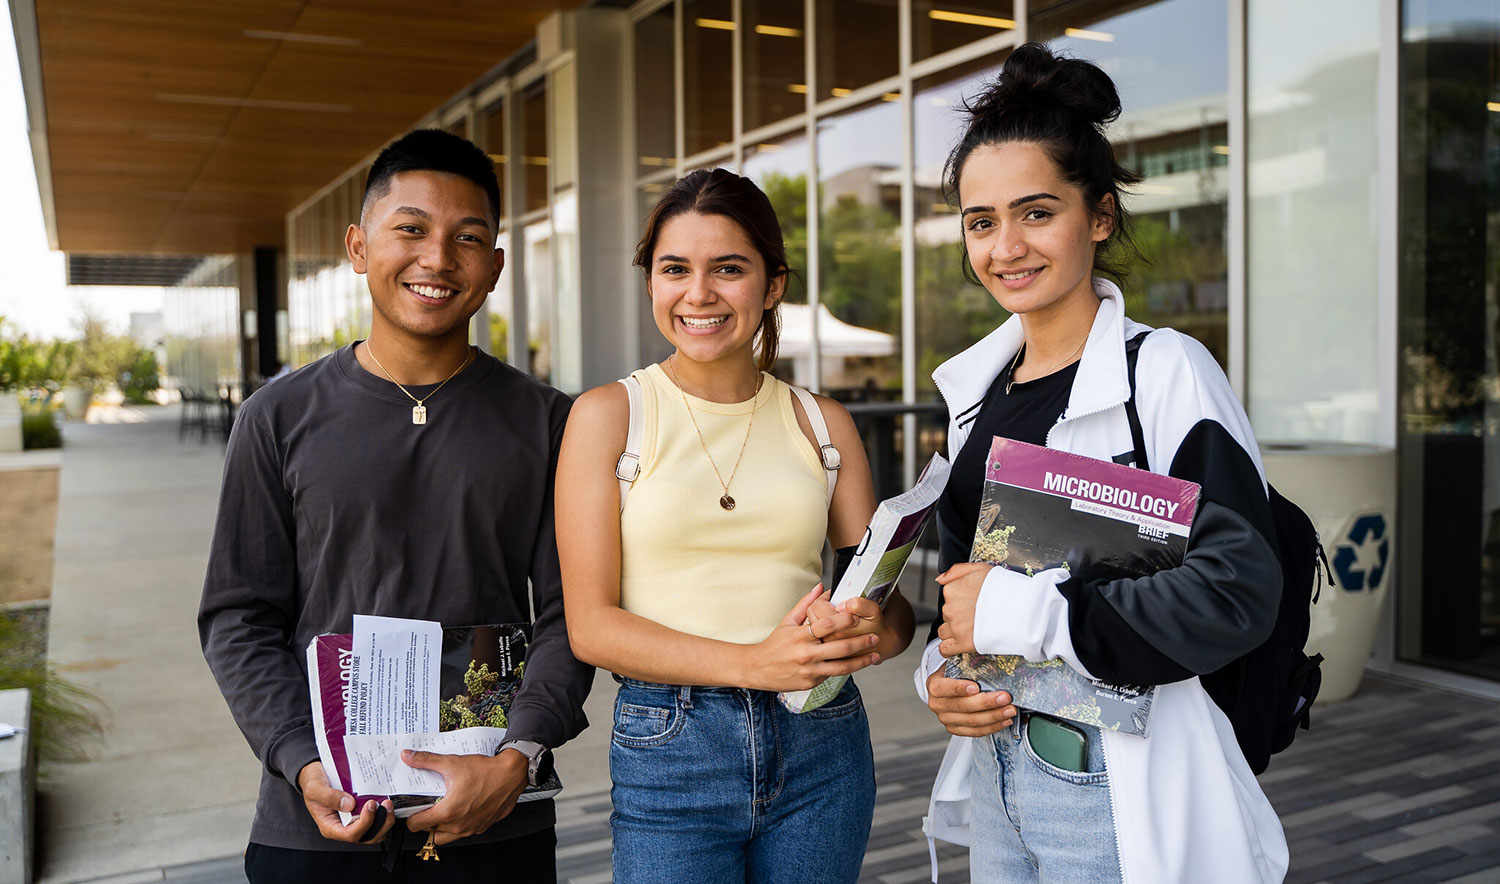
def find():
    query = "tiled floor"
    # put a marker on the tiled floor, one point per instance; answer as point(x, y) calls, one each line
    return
point(1400, 784)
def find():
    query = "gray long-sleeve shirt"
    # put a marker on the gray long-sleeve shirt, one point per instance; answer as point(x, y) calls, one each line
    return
point(334, 503)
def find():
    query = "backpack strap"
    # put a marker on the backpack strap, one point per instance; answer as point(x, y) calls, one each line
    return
point(828, 453)
point(1137, 433)
point(628, 467)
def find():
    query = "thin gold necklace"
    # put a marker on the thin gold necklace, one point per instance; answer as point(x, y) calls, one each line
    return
point(1011, 381)
point(419, 411)
point(726, 501)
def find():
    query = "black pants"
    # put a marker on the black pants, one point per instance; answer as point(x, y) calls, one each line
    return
point(529, 859)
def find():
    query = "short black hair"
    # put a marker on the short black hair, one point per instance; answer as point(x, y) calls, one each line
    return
point(432, 150)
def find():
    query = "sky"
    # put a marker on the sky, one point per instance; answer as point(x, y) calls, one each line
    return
point(34, 296)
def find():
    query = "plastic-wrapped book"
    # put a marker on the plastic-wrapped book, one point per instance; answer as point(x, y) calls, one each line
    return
point(888, 544)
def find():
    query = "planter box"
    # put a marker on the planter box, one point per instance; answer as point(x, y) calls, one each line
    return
point(17, 789)
point(10, 423)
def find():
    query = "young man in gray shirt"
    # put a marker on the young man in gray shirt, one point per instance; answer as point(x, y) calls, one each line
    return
point(407, 475)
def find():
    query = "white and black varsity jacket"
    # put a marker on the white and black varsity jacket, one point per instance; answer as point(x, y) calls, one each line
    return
point(1186, 806)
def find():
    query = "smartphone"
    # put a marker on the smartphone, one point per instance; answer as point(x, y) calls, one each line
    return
point(1058, 743)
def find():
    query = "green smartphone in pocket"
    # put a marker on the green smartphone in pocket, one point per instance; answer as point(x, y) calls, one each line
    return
point(1058, 743)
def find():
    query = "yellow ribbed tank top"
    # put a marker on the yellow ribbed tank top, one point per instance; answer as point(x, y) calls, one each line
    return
point(691, 565)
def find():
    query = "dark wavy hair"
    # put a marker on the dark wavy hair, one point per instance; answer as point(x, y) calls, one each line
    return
point(721, 192)
point(1064, 105)
point(432, 150)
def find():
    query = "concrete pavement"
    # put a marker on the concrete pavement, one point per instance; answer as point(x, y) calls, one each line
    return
point(173, 781)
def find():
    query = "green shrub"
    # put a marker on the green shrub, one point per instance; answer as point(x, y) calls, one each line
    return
point(39, 430)
point(66, 718)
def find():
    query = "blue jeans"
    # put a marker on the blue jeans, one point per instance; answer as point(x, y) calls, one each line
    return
point(1034, 822)
point(720, 785)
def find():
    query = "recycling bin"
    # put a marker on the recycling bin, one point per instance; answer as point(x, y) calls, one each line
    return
point(1349, 492)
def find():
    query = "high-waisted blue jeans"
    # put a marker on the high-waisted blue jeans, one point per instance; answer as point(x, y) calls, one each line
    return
point(719, 785)
point(1039, 824)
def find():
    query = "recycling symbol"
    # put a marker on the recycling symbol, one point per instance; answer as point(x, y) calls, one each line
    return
point(1361, 558)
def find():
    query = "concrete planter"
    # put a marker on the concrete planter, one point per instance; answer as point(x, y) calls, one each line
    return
point(17, 789)
point(10, 423)
point(76, 402)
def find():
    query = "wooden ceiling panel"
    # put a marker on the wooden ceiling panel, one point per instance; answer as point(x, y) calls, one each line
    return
point(181, 127)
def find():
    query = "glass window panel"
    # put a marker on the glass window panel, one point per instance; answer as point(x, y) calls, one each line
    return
point(707, 50)
point(534, 153)
point(499, 303)
point(494, 145)
point(1312, 220)
point(562, 148)
point(655, 93)
point(779, 168)
point(1168, 61)
point(537, 239)
point(857, 44)
point(775, 62)
point(859, 253)
point(940, 25)
point(1449, 315)
point(952, 313)
point(654, 346)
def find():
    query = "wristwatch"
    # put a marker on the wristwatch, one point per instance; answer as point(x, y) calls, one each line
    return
point(538, 759)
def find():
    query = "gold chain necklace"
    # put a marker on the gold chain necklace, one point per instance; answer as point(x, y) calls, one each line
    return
point(419, 411)
point(726, 501)
point(1011, 381)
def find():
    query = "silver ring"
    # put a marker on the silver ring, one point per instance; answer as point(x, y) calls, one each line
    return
point(810, 632)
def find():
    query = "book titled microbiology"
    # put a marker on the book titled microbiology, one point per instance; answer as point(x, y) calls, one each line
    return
point(397, 684)
point(1043, 508)
point(889, 541)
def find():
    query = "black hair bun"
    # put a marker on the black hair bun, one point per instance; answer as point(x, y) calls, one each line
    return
point(1035, 79)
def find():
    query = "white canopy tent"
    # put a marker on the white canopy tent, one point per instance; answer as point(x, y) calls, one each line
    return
point(838, 341)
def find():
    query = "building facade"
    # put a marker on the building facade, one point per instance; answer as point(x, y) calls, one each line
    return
point(1320, 207)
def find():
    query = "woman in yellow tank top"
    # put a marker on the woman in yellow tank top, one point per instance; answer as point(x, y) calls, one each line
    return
point(701, 593)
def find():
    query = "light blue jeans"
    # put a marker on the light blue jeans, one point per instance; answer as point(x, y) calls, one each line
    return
point(1038, 824)
point(722, 785)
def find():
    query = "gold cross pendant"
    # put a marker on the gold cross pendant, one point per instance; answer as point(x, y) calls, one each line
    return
point(419, 414)
point(429, 850)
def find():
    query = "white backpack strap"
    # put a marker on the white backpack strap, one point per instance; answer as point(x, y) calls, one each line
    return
point(830, 455)
point(628, 467)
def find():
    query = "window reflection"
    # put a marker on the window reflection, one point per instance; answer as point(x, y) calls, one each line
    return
point(1168, 62)
point(494, 145)
point(859, 252)
point(655, 95)
point(535, 155)
point(707, 48)
point(775, 68)
point(857, 44)
point(1449, 614)
point(940, 25)
point(779, 167)
point(537, 238)
point(499, 304)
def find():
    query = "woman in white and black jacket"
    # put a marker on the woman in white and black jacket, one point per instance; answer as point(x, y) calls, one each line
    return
point(1038, 188)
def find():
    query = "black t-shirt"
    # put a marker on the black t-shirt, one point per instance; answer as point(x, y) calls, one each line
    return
point(1025, 414)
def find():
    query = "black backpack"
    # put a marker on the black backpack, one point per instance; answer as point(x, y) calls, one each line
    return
point(1268, 693)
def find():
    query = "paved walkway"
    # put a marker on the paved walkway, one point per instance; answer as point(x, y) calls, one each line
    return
point(1402, 783)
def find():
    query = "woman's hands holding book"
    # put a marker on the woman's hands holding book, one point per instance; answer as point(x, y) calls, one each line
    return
point(324, 803)
point(800, 653)
point(869, 619)
point(961, 585)
point(964, 709)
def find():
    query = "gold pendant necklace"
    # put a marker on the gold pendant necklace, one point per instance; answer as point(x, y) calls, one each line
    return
point(725, 502)
point(419, 411)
